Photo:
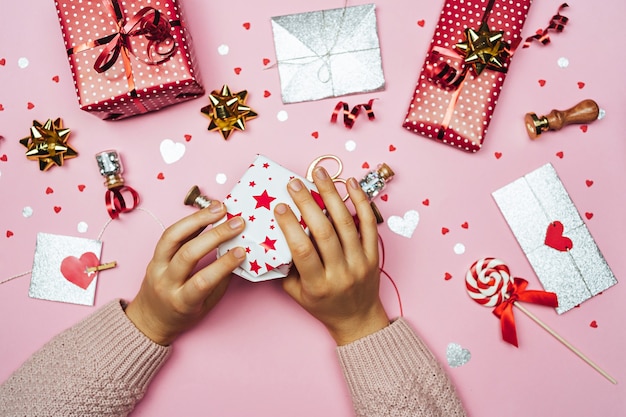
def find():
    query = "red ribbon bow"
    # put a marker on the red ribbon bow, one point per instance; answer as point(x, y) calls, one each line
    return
point(518, 292)
point(349, 117)
point(115, 202)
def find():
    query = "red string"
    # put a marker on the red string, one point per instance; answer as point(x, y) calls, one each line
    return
point(382, 270)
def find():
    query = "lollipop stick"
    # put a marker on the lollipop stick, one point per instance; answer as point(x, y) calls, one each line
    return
point(564, 342)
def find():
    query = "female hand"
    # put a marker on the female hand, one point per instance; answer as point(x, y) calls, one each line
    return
point(337, 276)
point(172, 298)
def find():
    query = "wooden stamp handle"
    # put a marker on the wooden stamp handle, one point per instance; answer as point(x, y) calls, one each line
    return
point(584, 112)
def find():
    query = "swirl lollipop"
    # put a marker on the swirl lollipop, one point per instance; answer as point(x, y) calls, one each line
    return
point(488, 282)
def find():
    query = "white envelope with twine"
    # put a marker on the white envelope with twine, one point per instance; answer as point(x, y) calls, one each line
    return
point(554, 237)
point(328, 53)
point(255, 196)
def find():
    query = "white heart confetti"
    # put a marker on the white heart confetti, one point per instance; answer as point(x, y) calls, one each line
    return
point(282, 116)
point(82, 227)
point(223, 49)
point(350, 145)
point(457, 355)
point(404, 226)
point(459, 249)
point(221, 178)
point(172, 151)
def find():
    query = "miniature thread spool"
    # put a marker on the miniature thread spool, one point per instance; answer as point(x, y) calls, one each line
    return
point(584, 112)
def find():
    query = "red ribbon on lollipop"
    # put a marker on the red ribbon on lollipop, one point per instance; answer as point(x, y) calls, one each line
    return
point(489, 283)
point(111, 169)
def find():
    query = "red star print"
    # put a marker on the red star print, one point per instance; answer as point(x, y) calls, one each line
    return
point(229, 196)
point(251, 218)
point(268, 266)
point(268, 244)
point(254, 267)
point(263, 200)
point(252, 183)
point(248, 250)
point(266, 165)
point(318, 199)
point(272, 227)
point(230, 216)
point(302, 223)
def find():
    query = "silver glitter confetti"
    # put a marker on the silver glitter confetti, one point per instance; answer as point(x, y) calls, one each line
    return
point(457, 355)
point(530, 205)
point(328, 53)
point(59, 269)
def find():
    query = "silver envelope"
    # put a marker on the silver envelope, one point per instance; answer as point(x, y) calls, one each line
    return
point(530, 205)
point(328, 53)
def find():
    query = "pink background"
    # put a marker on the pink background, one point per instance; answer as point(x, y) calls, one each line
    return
point(258, 353)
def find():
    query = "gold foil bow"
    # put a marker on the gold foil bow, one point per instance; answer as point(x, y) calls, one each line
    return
point(47, 144)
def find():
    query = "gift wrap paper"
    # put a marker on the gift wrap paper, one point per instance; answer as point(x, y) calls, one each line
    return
point(530, 205)
point(48, 280)
point(328, 53)
point(107, 94)
point(472, 110)
point(255, 196)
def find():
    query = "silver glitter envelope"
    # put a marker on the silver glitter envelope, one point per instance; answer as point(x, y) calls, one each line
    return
point(328, 53)
point(554, 237)
point(60, 269)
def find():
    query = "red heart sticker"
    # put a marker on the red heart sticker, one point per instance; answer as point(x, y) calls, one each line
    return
point(49, 190)
point(581, 84)
point(3, 158)
point(160, 176)
point(246, 26)
point(583, 128)
point(426, 202)
point(365, 165)
point(594, 324)
point(421, 23)
point(589, 183)
point(392, 148)
point(447, 276)
point(237, 70)
point(57, 209)
point(266, 94)
point(30, 105)
point(444, 230)
point(266, 61)
point(1, 107)
point(75, 270)
point(560, 154)
point(315, 134)
point(81, 187)
point(498, 155)
point(3, 61)
point(465, 225)
point(9, 233)
point(384, 197)
point(187, 138)
point(555, 238)
point(588, 215)
point(542, 82)
point(55, 78)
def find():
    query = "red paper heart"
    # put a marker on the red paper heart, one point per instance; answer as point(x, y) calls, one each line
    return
point(555, 238)
point(75, 270)
point(246, 25)
point(421, 23)
point(9, 233)
point(160, 176)
point(187, 138)
point(447, 276)
point(542, 82)
point(589, 183)
point(498, 155)
point(49, 190)
point(465, 225)
point(392, 148)
point(30, 105)
point(426, 202)
point(237, 70)
point(365, 165)
point(55, 78)
point(315, 134)
point(581, 84)
point(444, 230)
point(81, 187)
point(3, 61)
point(266, 61)
point(1, 107)
point(594, 324)
point(583, 128)
point(384, 197)
point(560, 154)
point(588, 215)
point(266, 94)
point(3, 158)
point(57, 209)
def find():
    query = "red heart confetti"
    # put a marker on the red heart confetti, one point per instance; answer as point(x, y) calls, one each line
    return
point(266, 61)
point(426, 202)
point(187, 138)
point(583, 128)
point(465, 225)
point(49, 190)
point(581, 84)
point(3, 62)
point(589, 183)
point(81, 187)
point(560, 154)
point(3, 158)
point(447, 276)
point(57, 209)
point(365, 165)
point(444, 230)
point(593, 324)
point(1, 107)
point(498, 155)
point(246, 26)
point(9, 233)
point(266, 94)
point(160, 176)
point(237, 70)
point(588, 215)
point(315, 134)
point(542, 82)
point(392, 148)
point(55, 78)
point(384, 197)
point(30, 105)
point(421, 23)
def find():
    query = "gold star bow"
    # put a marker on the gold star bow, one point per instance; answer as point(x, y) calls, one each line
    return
point(483, 48)
point(47, 144)
point(228, 111)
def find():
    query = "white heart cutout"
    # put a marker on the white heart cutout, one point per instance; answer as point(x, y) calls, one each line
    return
point(172, 151)
point(404, 226)
point(457, 355)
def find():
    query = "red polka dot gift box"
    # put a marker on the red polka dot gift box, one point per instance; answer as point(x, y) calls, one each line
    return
point(128, 57)
point(465, 69)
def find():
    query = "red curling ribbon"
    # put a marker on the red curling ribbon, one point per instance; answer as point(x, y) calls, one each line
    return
point(557, 24)
point(349, 116)
point(115, 202)
point(148, 23)
point(504, 310)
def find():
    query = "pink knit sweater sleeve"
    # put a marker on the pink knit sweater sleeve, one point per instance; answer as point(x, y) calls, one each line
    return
point(100, 367)
point(392, 373)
